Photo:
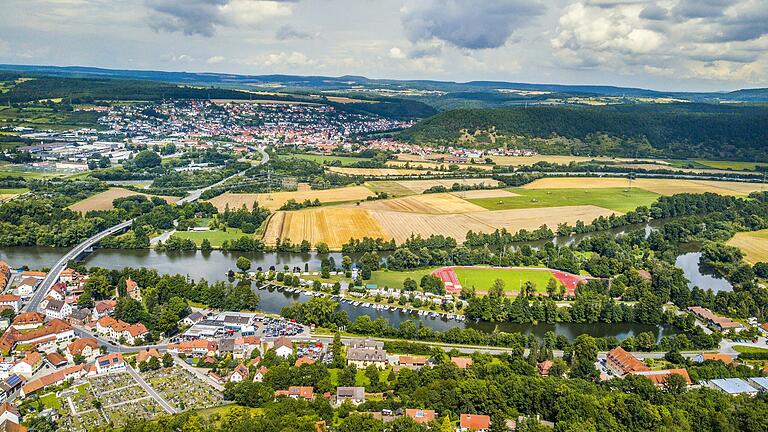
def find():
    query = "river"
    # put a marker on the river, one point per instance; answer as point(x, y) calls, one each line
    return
point(214, 266)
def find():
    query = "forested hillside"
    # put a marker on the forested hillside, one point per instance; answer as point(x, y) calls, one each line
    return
point(673, 130)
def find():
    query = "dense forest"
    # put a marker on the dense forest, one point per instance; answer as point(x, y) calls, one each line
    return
point(673, 130)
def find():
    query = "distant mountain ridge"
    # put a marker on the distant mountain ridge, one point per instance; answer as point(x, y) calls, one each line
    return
point(347, 82)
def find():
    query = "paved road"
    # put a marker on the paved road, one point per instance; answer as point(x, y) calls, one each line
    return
point(164, 403)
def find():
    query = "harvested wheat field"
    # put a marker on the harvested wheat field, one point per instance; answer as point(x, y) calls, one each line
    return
point(485, 193)
point(438, 203)
point(754, 244)
point(375, 172)
point(401, 225)
point(334, 226)
point(275, 200)
point(419, 186)
point(103, 200)
point(435, 165)
point(659, 186)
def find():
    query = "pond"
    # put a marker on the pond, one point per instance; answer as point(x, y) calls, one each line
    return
point(689, 263)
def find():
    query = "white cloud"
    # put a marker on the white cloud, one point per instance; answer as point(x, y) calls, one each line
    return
point(396, 53)
point(215, 59)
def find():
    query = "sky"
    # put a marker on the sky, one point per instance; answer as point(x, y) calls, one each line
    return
point(687, 45)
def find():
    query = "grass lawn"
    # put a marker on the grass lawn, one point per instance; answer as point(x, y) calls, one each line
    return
point(394, 279)
point(748, 349)
point(611, 198)
point(215, 237)
point(51, 401)
point(345, 160)
point(731, 165)
point(29, 174)
point(361, 380)
point(13, 191)
point(482, 278)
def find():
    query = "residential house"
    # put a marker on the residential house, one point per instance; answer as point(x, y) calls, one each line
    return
point(241, 373)
point(5, 275)
point(146, 354)
point(544, 367)
point(474, 423)
point(283, 347)
point(28, 320)
point(719, 322)
point(108, 326)
point(110, 363)
point(621, 363)
point(295, 392)
point(53, 379)
point(365, 343)
point(26, 287)
point(259, 375)
point(135, 333)
point(56, 360)
point(192, 319)
point(44, 338)
point(57, 309)
point(10, 301)
point(9, 419)
point(133, 290)
point(305, 360)
point(103, 308)
point(195, 348)
point(363, 357)
point(88, 348)
point(412, 362)
point(69, 276)
point(58, 292)
point(701, 358)
point(80, 317)
point(27, 366)
point(10, 386)
point(462, 362)
point(420, 416)
point(660, 377)
point(355, 395)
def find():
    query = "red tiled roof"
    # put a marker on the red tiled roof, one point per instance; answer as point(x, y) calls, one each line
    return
point(461, 362)
point(475, 421)
point(76, 347)
point(420, 416)
point(625, 361)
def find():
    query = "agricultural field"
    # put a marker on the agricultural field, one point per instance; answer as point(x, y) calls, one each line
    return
point(345, 160)
point(47, 118)
point(434, 165)
point(485, 193)
point(8, 194)
point(438, 203)
point(103, 200)
point(659, 186)
point(733, 166)
point(754, 244)
point(274, 201)
point(483, 278)
point(334, 226)
point(375, 172)
point(618, 199)
point(400, 225)
point(419, 186)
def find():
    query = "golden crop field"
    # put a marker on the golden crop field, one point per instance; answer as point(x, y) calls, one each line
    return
point(275, 200)
point(334, 226)
point(375, 172)
point(664, 166)
point(437, 203)
point(103, 200)
point(659, 186)
point(419, 186)
point(754, 244)
point(401, 225)
point(7, 197)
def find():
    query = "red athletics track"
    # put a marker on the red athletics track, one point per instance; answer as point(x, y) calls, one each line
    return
point(569, 280)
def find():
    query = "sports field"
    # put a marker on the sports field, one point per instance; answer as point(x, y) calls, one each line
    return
point(334, 226)
point(103, 200)
point(274, 201)
point(483, 278)
point(394, 279)
point(754, 244)
point(621, 200)
point(659, 186)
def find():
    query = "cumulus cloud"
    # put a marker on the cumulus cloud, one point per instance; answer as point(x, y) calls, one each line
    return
point(470, 24)
point(215, 59)
point(654, 12)
point(396, 53)
point(203, 17)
